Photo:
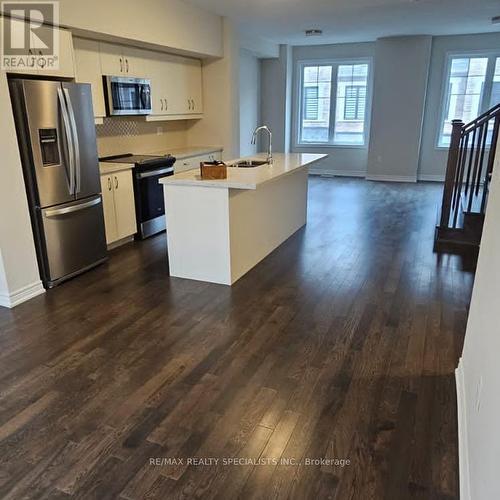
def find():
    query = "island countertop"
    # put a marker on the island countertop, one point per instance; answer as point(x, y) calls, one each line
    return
point(248, 178)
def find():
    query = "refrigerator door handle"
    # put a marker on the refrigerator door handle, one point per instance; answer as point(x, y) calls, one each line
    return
point(76, 144)
point(73, 208)
point(69, 137)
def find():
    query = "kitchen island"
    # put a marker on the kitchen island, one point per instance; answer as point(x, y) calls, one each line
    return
point(217, 230)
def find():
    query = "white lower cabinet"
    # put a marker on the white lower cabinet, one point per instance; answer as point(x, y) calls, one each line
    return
point(119, 205)
point(194, 162)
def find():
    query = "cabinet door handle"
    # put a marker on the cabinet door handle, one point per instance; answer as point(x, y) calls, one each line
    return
point(116, 182)
point(126, 62)
point(121, 65)
point(110, 186)
point(166, 104)
point(189, 103)
point(161, 101)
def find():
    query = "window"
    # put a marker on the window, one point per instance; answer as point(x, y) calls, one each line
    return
point(495, 88)
point(333, 104)
point(472, 87)
point(352, 81)
point(317, 82)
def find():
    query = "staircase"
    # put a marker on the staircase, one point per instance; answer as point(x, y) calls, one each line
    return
point(468, 174)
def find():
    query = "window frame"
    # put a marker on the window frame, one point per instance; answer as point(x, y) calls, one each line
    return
point(492, 56)
point(335, 63)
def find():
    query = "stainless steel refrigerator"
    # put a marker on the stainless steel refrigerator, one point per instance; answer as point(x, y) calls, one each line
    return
point(57, 142)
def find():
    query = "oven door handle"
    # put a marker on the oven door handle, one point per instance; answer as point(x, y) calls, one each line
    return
point(154, 173)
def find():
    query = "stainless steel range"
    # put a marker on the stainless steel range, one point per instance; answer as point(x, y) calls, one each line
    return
point(148, 192)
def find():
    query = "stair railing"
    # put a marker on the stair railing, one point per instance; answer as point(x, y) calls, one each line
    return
point(470, 164)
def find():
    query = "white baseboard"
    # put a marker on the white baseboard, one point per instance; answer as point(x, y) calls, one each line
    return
point(336, 173)
point(431, 178)
point(391, 178)
point(463, 451)
point(22, 295)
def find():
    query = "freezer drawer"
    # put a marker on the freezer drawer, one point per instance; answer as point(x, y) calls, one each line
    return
point(74, 238)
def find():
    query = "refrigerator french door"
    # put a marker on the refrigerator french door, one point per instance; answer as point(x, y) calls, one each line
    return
point(57, 141)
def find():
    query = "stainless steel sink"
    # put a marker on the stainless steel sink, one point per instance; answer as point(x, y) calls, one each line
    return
point(249, 163)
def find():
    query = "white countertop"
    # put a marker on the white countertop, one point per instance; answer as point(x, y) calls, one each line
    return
point(188, 151)
point(248, 178)
point(180, 153)
point(106, 168)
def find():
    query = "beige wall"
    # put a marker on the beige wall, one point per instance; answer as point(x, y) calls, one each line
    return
point(221, 93)
point(478, 376)
point(19, 269)
point(134, 135)
point(249, 101)
point(167, 23)
point(276, 105)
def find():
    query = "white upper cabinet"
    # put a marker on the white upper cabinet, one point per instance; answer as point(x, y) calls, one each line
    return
point(66, 56)
point(88, 70)
point(118, 60)
point(194, 85)
point(176, 86)
point(112, 60)
point(66, 66)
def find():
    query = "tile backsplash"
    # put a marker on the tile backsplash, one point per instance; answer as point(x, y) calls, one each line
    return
point(120, 135)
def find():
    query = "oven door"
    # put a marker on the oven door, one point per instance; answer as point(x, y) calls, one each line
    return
point(150, 204)
point(128, 96)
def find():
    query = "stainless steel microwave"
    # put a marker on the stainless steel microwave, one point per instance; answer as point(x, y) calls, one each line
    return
point(127, 96)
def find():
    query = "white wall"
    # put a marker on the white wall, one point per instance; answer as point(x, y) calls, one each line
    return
point(399, 89)
point(342, 160)
point(166, 23)
point(249, 101)
point(433, 160)
point(259, 47)
point(478, 376)
point(19, 270)
point(220, 125)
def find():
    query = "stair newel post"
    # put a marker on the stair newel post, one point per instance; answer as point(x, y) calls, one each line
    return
point(451, 170)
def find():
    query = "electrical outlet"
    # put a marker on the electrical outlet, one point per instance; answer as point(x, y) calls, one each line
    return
point(159, 130)
point(479, 390)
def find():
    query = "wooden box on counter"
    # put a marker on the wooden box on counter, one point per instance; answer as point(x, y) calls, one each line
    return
point(213, 170)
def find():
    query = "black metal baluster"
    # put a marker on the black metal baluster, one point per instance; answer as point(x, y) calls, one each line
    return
point(476, 166)
point(481, 161)
point(460, 180)
point(491, 162)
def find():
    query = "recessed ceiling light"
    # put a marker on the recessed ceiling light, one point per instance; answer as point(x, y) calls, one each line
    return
point(495, 20)
point(314, 32)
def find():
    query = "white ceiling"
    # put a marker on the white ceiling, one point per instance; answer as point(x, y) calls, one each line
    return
point(284, 21)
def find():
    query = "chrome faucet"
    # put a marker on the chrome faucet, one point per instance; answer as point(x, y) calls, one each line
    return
point(270, 150)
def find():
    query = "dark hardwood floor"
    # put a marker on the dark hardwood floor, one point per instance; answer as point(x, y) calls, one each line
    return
point(342, 344)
